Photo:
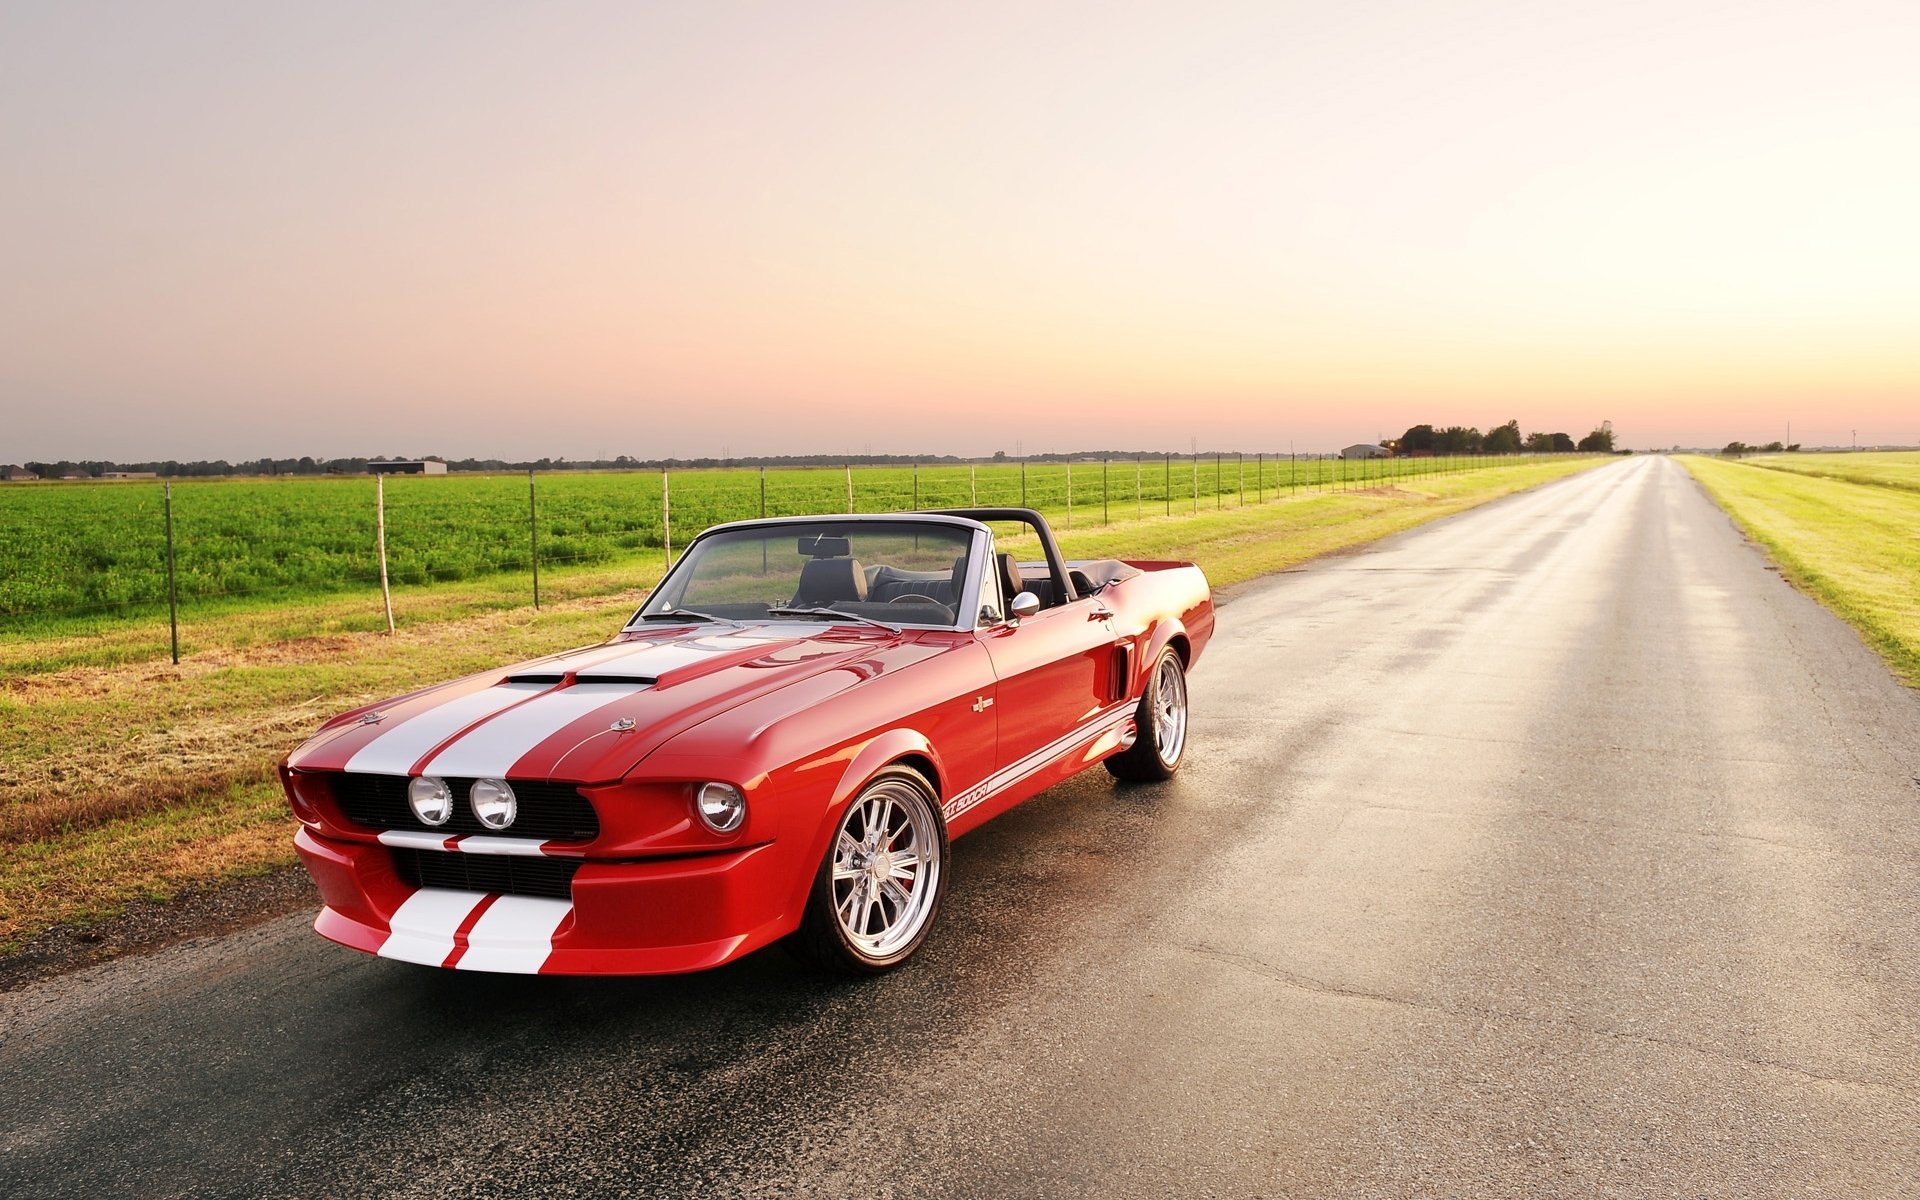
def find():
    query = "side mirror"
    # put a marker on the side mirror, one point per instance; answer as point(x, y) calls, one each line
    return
point(1024, 605)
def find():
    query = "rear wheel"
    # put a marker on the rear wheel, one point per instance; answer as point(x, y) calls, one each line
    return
point(879, 886)
point(1161, 719)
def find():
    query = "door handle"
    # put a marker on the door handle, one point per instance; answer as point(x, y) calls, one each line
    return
point(1100, 613)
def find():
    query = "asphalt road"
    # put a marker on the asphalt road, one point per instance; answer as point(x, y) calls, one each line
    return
point(1555, 849)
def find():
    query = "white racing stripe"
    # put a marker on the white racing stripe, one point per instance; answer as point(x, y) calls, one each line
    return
point(414, 839)
point(514, 936)
point(421, 839)
point(395, 751)
point(1045, 756)
point(653, 661)
point(423, 926)
point(490, 750)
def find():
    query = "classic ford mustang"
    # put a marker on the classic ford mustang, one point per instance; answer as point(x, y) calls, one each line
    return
point(777, 746)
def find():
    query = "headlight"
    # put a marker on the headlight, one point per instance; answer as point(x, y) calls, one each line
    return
point(430, 799)
point(494, 803)
point(721, 806)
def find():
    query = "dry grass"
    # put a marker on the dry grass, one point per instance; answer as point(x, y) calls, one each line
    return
point(130, 780)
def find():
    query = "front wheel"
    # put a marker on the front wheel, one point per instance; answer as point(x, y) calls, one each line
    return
point(879, 886)
point(1162, 723)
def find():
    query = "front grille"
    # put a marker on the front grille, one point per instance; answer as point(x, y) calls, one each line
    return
point(551, 812)
point(507, 874)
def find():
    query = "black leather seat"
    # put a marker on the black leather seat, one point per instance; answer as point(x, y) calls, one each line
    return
point(1010, 582)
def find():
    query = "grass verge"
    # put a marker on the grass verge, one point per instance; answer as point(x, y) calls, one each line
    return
point(129, 778)
point(1852, 545)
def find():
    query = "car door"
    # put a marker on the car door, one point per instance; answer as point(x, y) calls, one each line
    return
point(1054, 670)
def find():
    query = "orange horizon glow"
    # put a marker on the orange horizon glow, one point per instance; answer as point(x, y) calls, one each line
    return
point(587, 229)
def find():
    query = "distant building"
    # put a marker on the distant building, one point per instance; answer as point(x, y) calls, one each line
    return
point(20, 474)
point(1366, 450)
point(417, 466)
point(129, 474)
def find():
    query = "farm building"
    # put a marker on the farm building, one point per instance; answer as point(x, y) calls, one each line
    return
point(1366, 450)
point(129, 474)
point(417, 466)
point(9, 471)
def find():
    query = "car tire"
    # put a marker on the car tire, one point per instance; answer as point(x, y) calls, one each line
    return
point(1161, 719)
point(879, 886)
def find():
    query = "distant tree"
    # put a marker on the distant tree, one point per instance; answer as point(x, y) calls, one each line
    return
point(1600, 441)
point(1794, 448)
point(1417, 439)
point(1539, 443)
point(1457, 439)
point(1563, 443)
point(1736, 449)
point(1503, 439)
point(1773, 448)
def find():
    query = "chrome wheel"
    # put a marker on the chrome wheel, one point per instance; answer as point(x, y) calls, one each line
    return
point(885, 872)
point(1160, 721)
point(1169, 704)
point(878, 886)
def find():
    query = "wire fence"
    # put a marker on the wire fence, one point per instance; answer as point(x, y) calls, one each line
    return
point(132, 550)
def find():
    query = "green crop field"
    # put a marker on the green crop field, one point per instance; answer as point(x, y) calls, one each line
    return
point(85, 554)
point(1844, 528)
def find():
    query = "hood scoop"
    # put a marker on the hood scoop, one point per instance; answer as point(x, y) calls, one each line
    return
point(546, 677)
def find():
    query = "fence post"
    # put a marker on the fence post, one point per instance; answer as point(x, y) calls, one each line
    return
point(1023, 483)
point(1106, 505)
point(916, 485)
point(666, 515)
point(763, 492)
point(173, 590)
point(1069, 493)
point(849, 487)
point(380, 530)
point(973, 486)
point(1169, 483)
point(1219, 501)
point(1194, 491)
point(533, 536)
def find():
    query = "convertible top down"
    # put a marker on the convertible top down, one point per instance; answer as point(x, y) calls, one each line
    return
point(778, 745)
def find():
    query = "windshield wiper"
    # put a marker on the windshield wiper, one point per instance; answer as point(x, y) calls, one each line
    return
point(686, 614)
point(835, 613)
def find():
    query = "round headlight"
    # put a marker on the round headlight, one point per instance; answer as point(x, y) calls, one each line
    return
point(430, 799)
point(721, 806)
point(494, 803)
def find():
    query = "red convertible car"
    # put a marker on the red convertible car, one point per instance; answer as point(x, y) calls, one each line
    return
point(778, 745)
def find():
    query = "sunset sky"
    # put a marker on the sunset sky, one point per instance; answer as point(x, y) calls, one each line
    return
point(580, 229)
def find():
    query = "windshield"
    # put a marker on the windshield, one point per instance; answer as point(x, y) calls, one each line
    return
point(895, 572)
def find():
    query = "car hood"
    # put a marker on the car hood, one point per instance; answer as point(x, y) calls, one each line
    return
point(591, 715)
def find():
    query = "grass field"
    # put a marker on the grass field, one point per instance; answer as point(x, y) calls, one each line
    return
point(1894, 469)
point(89, 560)
point(1844, 528)
point(127, 777)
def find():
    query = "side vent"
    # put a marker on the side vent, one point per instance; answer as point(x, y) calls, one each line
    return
point(535, 677)
point(1121, 678)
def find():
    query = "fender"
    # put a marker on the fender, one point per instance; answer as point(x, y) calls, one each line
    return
point(877, 753)
point(1158, 638)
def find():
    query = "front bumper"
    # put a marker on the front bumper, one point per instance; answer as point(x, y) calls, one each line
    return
point(648, 917)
